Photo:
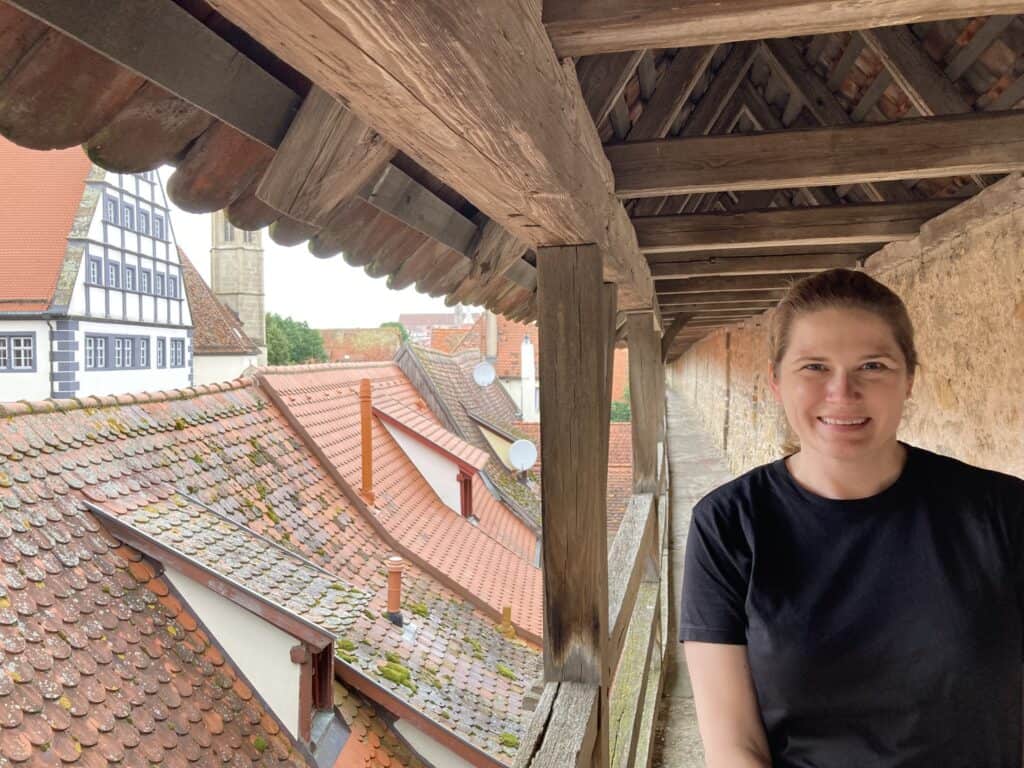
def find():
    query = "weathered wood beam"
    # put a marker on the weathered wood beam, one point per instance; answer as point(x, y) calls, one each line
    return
point(672, 91)
point(933, 147)
point(467, 111)
point(580, 27)
point(832, 225)
point(664, 270)
point(564, 731)
point(576, 317)
point(644, 371)
point(627, 557)
point(728, 283)
point(722, 298)
point(162, 42)
point(678, 323)
point(790, 250)
point(982, 39)
point(326, 157)
point(602, 79)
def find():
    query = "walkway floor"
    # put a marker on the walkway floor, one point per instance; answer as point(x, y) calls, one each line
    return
point(696, 467)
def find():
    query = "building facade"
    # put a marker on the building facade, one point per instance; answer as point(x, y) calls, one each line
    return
point(92, 299)
point(236, 276)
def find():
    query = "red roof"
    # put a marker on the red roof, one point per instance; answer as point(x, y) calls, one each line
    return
point(422, 424)
point(492, 561)
point(40, 193)
point(360, 345)
point(218, 331)
point(447, 339)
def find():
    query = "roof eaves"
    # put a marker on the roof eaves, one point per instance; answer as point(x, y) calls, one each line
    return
point(467, 465)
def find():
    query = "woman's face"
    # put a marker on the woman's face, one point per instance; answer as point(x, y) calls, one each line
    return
point(842, 383)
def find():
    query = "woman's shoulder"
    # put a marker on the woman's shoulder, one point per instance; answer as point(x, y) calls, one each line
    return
point(951, 474)
point(741, 494)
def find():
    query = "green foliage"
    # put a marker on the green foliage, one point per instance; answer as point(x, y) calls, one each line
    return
point(420, 609)
point(290, 342)
point(259, 744)
point(402, 332)
point(507, 672)
point(397, 673)
point(620, 408)
point(509, 740)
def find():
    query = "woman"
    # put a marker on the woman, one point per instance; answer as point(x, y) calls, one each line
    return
point(858, 603)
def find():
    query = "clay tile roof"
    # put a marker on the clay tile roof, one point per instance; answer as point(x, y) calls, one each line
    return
point(426, 319)
point(218, 331)
point(447, 339)
point(426, 426)
point(207, 472)
point(360, 345)
point(40, 194)
point(508, 363)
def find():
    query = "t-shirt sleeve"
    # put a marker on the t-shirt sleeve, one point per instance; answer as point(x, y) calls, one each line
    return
point(716, 573)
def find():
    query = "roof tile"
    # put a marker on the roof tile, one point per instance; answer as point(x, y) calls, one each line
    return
point(218, 331)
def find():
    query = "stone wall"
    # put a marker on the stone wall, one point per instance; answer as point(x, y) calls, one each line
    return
point(962, 279)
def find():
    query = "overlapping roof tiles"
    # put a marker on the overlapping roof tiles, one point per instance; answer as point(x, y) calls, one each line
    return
point(508, 362)
point(420, 422)
point(204, 471)
point(218, 331)
point(492, 563)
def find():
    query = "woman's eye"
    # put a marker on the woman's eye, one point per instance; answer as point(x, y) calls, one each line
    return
point(814, 367)
point(874, 366)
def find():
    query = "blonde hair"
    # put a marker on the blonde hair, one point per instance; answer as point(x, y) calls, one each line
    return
point(842, 288)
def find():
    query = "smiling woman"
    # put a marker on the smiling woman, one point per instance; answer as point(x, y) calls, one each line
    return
point(859, 601)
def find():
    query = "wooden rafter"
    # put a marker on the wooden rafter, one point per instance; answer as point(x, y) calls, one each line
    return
point(580, 27)
point(722, 297)
point(714, 283)
point(824, 225)
point(602, 79)
point(668, 98)
point(933, 147)
point(752, 264)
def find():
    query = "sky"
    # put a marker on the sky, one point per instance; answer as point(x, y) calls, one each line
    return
point(326, 293)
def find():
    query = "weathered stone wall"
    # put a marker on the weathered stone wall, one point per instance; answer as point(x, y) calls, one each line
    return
point(962, 279)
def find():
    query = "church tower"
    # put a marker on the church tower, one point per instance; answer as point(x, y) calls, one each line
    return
point(236, 269)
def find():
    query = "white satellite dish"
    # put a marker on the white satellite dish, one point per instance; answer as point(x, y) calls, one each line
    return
point(522, 454)
point(483, 374)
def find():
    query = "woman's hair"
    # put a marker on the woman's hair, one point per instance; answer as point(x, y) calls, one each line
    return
point(846, 289)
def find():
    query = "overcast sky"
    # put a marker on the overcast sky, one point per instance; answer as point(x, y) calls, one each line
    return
point(326, 293)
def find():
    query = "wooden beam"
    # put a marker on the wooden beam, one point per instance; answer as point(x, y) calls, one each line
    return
point(581, 27)
point(933, 147)
point(627, 559)
point(672, 91)
point(467, 111)
point(664, 270)
point(831, 225)
point(326, 157)
point(678, 323)
point(602, 79)
point(644, 370)
point(982, 39)
point(576, 323)
point(162, 42)
point(723, 298)
point(729, 283)
point(788, 250)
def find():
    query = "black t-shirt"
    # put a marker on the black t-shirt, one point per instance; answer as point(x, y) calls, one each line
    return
point(880, 632)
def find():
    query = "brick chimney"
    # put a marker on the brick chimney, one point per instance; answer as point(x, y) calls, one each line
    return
point(366, 418)
point(395, 567)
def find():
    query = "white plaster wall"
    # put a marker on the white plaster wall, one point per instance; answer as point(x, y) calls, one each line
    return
point(28, 385)
point(152, 379)
point(440, 472)
point(514, 387)
point(216, 368)
point(432, 752)
point(260, 650)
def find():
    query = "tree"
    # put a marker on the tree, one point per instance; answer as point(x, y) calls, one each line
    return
point(620, 408)
point(401, 329)
point(290, 342)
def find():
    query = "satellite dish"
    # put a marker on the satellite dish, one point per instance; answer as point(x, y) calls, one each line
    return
point(522, 454)
point(483, 374)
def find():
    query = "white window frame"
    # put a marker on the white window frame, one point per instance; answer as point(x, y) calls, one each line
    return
point(4, 353)
point(101, 353)
point(129, 277)
point(159, 284)
point(113, 274)
point(128, 356)
point(172, 286)
point(25, 346)
point(90, 353)
point(161, 353)
point(145, 281)
point(143, 353)
point(119, 353)
point(95, 270)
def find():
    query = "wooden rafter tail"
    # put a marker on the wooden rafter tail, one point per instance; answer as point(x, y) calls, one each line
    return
point(349, 226)
point(418, 264)
point(288, 232)
point(250, 213)
point(678, 323)
point(492, 252)
point(392, 251)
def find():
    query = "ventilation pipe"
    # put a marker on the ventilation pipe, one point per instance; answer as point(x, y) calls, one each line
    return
point(527, 381)
point(491, 338)
point(366, 417)
point(395, 567)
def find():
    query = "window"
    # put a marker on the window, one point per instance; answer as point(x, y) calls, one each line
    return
point(113, 275)
point(161, 353)
point(159, 285)
point(143, 353)
point(110, 207)
point(172, 287)
point(250, 237)
point(229, 231)
point(129, 278)
point(118, 353)
point(143, 223)
point(101, 352)
point(95, 271)
point(4, 354)
point(158, 227)
point(144, 279)
point(127, 216)
point(177, 353)
point(22, 354)
point(127, 344)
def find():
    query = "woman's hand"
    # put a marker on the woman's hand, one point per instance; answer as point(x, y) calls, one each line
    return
point(727, 712)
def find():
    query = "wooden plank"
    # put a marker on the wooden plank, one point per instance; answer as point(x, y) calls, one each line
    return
point(647, 75)
point(752, 265)
point(789, 250)
point(573, 335)
point(581, 27)
point(162, 42)
point(491, 254)
point(537, 728)
point(570, 736)
point(403, 198)
point(677, 324)
point(1008, 99)
point(871, 96)
point(693, 301)
point(479, 100)
point(632, 676)
point(673, 90)
point(719, 94)
point(846, 62)
point(326, 157)
point(626, 561)
point(983, 38)
point(644, 370)
point(602, 79)
point(831, 225)
point(933, 147)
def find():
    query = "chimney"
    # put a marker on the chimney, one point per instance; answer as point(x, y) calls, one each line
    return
point(491, 337)
point(395, 567)
point(528, 380)
point(366, 417)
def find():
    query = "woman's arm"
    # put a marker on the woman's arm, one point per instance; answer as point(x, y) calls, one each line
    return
point(727, 713)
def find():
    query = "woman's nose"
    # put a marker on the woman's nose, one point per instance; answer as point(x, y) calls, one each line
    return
point(843, 386)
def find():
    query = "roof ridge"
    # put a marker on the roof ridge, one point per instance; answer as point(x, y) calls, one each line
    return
point(50, 405)
point(310, 367)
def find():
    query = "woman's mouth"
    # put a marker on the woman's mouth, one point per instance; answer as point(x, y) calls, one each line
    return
point(837, 422)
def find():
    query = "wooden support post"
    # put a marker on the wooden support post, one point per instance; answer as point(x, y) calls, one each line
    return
point(644, 374)
point(576, 317)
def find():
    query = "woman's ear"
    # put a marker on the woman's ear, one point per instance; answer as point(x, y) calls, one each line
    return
point(773, 382)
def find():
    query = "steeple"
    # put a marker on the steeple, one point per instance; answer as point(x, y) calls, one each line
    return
point(236, 270)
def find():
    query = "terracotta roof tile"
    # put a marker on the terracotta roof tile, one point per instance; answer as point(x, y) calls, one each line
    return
point(40, 194)
point(508, 363)
point(446, 339)
point(359, 345)
point(218, 331)
point(421, 422)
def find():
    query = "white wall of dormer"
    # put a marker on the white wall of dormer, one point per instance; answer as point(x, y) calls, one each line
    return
point(260, 650)
point(438, 470)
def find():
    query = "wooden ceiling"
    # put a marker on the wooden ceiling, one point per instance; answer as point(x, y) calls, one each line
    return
point(714, 152)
